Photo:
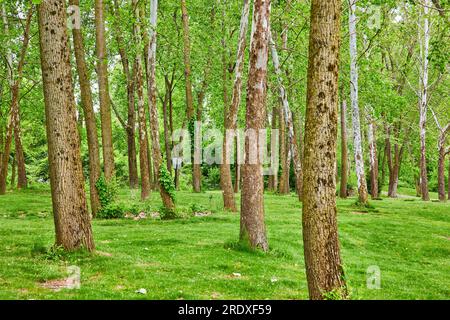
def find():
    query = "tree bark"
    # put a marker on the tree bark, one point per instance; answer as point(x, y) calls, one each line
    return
point(105, 106)
point(229, 201)
point(89, 115)
point(373, 158)
point(320, 237)
point(423, 103)
point(167, 200)
point(359, 160)
point(443, 151)
point(274, 153)
point(72, 221)
point(253, 229)
point(344, 151)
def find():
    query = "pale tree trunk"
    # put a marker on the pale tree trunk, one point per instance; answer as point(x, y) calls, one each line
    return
point(105, 105)
point(231, 116)
point(423, 103)
point(89, 115)
point(131, 120)
point(287, 116)
point(253, 229)
point(71, 216)
point(14, 120)
point(359, 160)
point(167, 200)
point(344, 151)
point(196, 182)
point(373, 158)
point(320, 237)
point(143, 138)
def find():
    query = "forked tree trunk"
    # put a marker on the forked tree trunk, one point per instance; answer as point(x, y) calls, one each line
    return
point(105, 105)
point(229, 201)
point(167, 200)
point(359, 160)
point(344, 151)
point(320, 237)
point(14, 120)
point(423, 103)
point(72, 221)
point(142, 119)
point(253, 229)
point(289, 124)
point(89, 115)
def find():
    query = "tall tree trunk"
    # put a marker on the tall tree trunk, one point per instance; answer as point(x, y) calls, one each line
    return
point(287, 116)
point(89, 115)
point(14, 121)
point(283, 187)
point(142, 119)
point(253, 229)
point(443, 151)
point(274, 153)
point(13, 171)
point(320, 237)
point(344, 151)
point(423, 104)
point(167, 200)
point(72, 221)
point(373, 158)
point(167, 133)
point(229, 201)
point(105, 105)
point(359, 160)
point(187, 75)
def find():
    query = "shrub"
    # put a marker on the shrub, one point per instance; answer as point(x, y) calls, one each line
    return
point(168, 214)
point(111, 211)
point(166, 181)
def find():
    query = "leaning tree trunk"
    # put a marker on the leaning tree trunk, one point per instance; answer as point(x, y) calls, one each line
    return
point(253, 229)
point(89, 115)
point(344, 151)
point(72, 221)
point(423, 103)
point(14, 120)
point(229, 201)
point(359, 160)
point(373, 158)
point(287, 116)
point(196, 180)
point(320, 237)
point(443, 151)
point(105, 105)
point(142, 119)
point(166, 196)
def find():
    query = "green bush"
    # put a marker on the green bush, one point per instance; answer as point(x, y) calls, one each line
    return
point(166, 181)
point(168, 214)
point(111, 211)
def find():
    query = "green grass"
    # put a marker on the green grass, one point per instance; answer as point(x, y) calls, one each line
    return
point(195, 258)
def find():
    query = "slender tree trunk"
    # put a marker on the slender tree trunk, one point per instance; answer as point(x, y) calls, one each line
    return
point(274, 153)
point(105, 105)
point(89, 115)
point(359, 160)
point(14, 121)
point(232, 114)
point(167, 134)
point(289, 123)
point(72, 221)
point(423, 104)
point(253, 229)
point(142, 119)
point(373, 158)
point(344, 151)
point(320, 237)
point(13, 171)
point(283, 187)
point(443, 151)
point(167, 200)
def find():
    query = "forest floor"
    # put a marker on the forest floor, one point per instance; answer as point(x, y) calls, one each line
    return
point(199, 257)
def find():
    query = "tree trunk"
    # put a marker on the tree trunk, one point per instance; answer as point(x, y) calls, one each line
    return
point(72, 221)
point(373, 158)
point(423, 104)
point(359, 160)
point(253, 229)
point(289, 123)
point(89, 115)
point(320, 237)
point(344, 151)
point(105, 105)
point(142, 119)
point(14, 121)
point(167, 134)
point(232, 114)
point(167, 199)
point(283, 187)
point(13, 171)
point(443, 151)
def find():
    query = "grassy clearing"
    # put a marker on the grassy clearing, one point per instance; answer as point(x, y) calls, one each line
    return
point(198, 258)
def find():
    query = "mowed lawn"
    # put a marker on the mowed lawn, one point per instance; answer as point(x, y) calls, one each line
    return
point(198, 257)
